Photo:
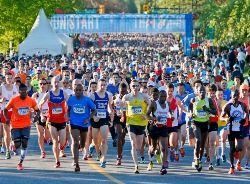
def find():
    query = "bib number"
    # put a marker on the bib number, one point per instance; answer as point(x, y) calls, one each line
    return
point(44, 112)
point(57, 110)
point(236, 122)
point(201, 114)
point(136, 110)
point(79, 110)
point(101, 113)
point(162, 121)
point(23, 111)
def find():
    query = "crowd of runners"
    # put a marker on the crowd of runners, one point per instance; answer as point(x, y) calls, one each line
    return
point(156, 95)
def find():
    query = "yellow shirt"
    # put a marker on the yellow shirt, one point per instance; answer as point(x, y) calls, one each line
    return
point(222, 123)
point(136, 108)
point(199, 114)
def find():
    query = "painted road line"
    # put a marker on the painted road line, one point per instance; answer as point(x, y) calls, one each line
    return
point(103, 172)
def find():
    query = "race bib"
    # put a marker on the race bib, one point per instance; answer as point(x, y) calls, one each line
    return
point(57, 110)
point(118, 110)
point(101, 113)
point(236, 122)
point(44, 112)
point(162, 120)
point(136, 110)
point(201, 114)
point(23, 111)
point(79, 110)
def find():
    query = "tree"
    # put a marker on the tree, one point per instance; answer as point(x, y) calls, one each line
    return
point(17, 17)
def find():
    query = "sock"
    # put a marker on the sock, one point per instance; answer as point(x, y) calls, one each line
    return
point(217, 152)
point(23, 153)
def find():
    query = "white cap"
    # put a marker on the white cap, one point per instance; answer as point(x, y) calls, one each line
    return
point(150, 83)
point(38, 68)
point(95, 73)
point(152, 74)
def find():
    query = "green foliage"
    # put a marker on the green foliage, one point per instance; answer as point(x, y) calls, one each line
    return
point(18, 16)
point(230, 18)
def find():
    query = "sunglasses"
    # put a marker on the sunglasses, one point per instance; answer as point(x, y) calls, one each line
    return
point(66, 75)
point(65, 82)
point(134, 86)
point(42, 83)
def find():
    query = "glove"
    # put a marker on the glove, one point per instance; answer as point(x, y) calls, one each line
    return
point(231, 119)
point(242, 122)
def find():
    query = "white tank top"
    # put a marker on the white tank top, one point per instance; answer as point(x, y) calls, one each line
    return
point(238, 114)
point(45, 107)
point(8, 94)
point(162, 113)
point(117, 103)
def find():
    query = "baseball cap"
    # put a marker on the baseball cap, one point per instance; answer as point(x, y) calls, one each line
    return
point(38, 69)
point(150, 83)
point(236, 66)
point(244, 86)
point(152, 74)
point(221, 64)
point(95, 73)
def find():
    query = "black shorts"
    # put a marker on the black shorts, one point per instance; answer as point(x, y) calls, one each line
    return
point(82, 129)
point(172, 129)
point(58, 126)
point(156, 132)
point(101, 122)
point(137, 130)
point(213, 127)
point(17, 134)
point(39, 122)
point(117, 121)
point(235, 135)
point(202, 125)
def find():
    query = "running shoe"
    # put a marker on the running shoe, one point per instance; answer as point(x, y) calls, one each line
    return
point(57, 165)
point(77, 168)
point(103, 164)
point(43, 155)
point(158, 158)
point(8, 155)
point(199, 168)
point(98, 158)
point(150, 166)
point(163, 171)
point(50, 142)
point(44, 141)
point(195, 164)
point(142, 160)
point(136, 171)
point(85, 157)
point(223, 157)
point(182, 152)
point(20, 166)
point(62, 154)
point(205, 154)
point(246, 166)
point(217, 162)
point(166, 164)
point(236, 155)
point(208, 159)
point(231, 170)
point(91, 149)
point(177, 158)
point(210, 167)
point(238, 167)
point(119, 161)
point(90, 155)
point(172, 156)
point(2, 150)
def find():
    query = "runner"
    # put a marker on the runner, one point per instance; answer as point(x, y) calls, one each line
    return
point(136, 119)
point(237, 113)
point(42, 130)
point(57, 116)
point(100, 122)
point(7, 91)
point(213, 125)
point(200, 107)
point(158, 130)
point(80, 110)
point(20, 121)
point(119, 126)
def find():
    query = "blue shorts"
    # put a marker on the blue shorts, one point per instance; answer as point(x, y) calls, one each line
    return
point(245, 131)
point(221, 128)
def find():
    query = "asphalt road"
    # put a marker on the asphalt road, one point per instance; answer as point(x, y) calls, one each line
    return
point(42, 171)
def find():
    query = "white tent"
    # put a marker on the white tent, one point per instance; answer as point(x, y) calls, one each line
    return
point(42, 39)
point(68, 41)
